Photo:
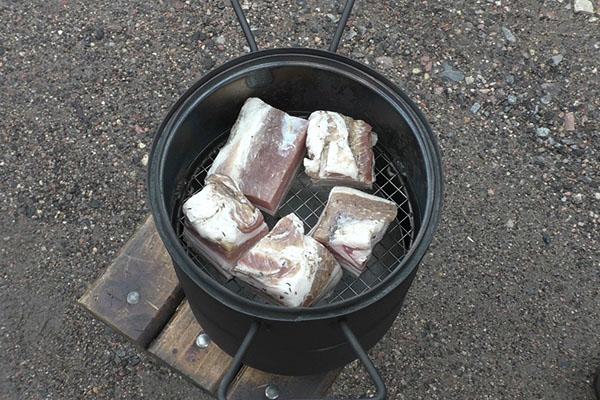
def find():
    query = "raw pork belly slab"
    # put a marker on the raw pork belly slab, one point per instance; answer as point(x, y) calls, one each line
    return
point(293, 269)
point(221, 223)
point(263, 153)
point(340, 150)
point(351, 225)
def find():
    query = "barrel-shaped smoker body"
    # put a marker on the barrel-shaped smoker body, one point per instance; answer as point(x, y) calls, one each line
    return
point(307, 340)
point(302, 347)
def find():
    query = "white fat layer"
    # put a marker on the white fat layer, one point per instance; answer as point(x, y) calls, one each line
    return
point(353, 240)
point(355, 233)
point(355, 192)
point(209, 213)
point(239, 147)
point(339, 159)
point(291, 128)
point(296, 286)
point(315, 140)
point(356, 260)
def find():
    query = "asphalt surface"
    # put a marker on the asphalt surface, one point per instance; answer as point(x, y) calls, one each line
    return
point(507, 302)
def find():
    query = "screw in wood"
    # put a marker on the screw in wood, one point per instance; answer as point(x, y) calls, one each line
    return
point(203, 340)
point(133, 297)
point(271, 392)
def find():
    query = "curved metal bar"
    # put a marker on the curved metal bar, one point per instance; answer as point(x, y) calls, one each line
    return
point(368, 364)
point(244, 24)
point(252, 40)
point(236, 363)
point(341, 26)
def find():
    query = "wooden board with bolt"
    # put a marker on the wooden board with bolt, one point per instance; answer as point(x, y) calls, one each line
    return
point(139, 296)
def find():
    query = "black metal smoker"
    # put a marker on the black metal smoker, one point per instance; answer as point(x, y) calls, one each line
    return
point(408, 170)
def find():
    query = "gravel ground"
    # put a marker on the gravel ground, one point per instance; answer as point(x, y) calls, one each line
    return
point(507, 302)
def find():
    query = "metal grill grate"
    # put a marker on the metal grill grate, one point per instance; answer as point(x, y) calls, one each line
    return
point(307, 202)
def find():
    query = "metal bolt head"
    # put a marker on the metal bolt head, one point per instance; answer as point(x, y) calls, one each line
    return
point(272, 392)
point(133, 297)
point(203, 340)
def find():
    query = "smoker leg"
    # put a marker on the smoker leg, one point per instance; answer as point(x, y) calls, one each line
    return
point(236, 364)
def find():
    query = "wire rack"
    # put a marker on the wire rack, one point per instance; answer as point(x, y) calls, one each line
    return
point(307, 201)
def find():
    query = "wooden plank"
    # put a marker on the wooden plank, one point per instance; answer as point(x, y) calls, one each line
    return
point(177, 347)
point(142, 266)
point(251, 383)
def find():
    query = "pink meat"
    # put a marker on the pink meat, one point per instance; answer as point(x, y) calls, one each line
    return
point(292, 269)
point(340, 150)
point(263, 153)
point(221, 223)
point(351, 224)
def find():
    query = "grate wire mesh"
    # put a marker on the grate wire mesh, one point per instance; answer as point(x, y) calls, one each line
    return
point(307, 202)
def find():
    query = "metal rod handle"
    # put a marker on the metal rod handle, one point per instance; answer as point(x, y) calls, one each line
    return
point(367, 363)
point(236, 364)
point(341, 26)
point(381, 391)
point(252, 40)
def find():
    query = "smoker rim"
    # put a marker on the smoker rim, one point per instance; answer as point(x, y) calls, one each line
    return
point(309, 58)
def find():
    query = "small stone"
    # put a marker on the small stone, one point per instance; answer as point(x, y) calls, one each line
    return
point(546, 239)
point(508, 35)
point(198, 36)
point(542, 132)
point(386, 61)
point(512, 99)
point(556, 59)
point(578, 198)
point(475, 108)
point(416, 71)
point(144, 160)
point(141, 145)
point(510, 224)
point(351, 34)
point(569, 121)
point(427, 63)
point(438, 90)
point(539, 160)
point(510, 79)
point(491, 192)
point(452, 74)
point(469, 80)
point(99, 34)
point(546, 99)
point(597, 195)
point(220, 40)
point(95, 203)
point(585, 6)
